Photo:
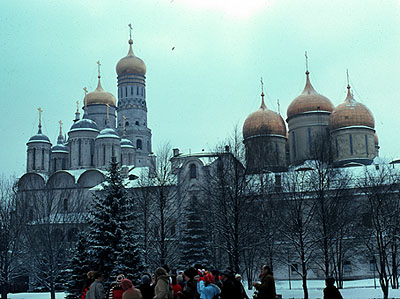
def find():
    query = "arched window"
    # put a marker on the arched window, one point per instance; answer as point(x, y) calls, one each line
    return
point(137, 90)
point(139, 144)
point(137, 122)
point(65, 204)
point(351, 144)
point(42, 158)
point(193, 171)
point(34, 159)
point(126, 123)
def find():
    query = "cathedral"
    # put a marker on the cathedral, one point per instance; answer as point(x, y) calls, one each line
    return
point(345, 134)
point(107, 130)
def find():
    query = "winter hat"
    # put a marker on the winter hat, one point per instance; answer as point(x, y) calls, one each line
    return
point(120, 278)
point(238, 276)
point(145, 279)
point(126, 284)
point(209, 278)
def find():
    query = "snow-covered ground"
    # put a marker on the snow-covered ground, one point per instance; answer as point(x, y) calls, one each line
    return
point(358, 289)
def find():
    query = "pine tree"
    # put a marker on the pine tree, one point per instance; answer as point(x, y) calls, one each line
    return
point(111, 238)
point(194, 237)
point(76, 275)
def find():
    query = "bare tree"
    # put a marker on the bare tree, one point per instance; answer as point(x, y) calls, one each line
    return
point(55, 214)
point(11, 226)
point(382, 207)
point(162, 188)
point(297, 226)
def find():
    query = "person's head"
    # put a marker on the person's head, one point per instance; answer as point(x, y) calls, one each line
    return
point(266, 270)
point(190, 273)
point(98, 276)
point(179, 278)
point(119, 278)
point(126, 284)
point(145, 279)
point(173, 279)
point(159, 272)
point(238, 277)
point(209, 278)
point(166, 268)
point(329, 281)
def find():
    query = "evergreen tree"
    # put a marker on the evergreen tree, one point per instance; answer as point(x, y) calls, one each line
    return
point(194, 237)
point(110, 229)
point(76, 275)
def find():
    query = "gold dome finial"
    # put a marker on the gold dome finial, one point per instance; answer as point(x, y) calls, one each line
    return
point(40, 117)
point(307, 72)
point(99, 76)
point(262, 94)
point(61, 123)
point(349, 95)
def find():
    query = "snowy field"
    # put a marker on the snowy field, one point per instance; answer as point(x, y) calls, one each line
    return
point(359, 289)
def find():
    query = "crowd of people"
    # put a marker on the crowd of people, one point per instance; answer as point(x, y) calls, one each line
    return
point(193, 283)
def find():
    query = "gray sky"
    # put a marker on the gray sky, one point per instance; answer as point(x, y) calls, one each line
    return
point(210, 82)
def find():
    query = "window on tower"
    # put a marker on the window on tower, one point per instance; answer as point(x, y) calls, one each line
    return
point(137, 123)
point(137, 90)
point(139, 144)
point(131, 90)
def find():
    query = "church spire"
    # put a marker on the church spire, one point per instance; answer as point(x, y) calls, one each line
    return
point(130, 53)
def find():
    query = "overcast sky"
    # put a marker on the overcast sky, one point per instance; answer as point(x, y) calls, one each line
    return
point(210, 81)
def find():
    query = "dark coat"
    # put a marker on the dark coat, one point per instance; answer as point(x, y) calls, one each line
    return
point(147, 291)
point(331, 292)
point(231, 289)
point(189, 290)
point(266, 290)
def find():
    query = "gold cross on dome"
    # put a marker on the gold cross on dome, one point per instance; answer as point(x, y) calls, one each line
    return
point(40, 115)
point(77, 106)
point(305, 54)
point(130, 31)
point(98, 67)
point(61, 123)
point(262, 85)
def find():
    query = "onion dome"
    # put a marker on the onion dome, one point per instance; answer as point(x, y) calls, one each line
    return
point(351, 113)
point(108, 133)
point(264, 122)
point(99, 95)
point(39, 137)
point(85, 124)
point(60, 147)
point(309, 101)
point(131, 64)
point(126, 143)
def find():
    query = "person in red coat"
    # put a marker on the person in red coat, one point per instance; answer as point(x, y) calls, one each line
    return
point(116, 290)
point(175, 286)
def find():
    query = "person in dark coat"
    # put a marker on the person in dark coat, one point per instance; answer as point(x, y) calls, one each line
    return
point(238, 277)
point(331, 292)
point(146, 288)
point(230, 286)
point(190, 289)
point(266, 289)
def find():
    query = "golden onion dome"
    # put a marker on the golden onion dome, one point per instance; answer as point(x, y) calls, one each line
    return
point(309, 100)
point(264, 122)
point(131, 64)
point(351, 113)
point(99, 96)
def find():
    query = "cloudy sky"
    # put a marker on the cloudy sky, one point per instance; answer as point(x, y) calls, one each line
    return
point(210, 82)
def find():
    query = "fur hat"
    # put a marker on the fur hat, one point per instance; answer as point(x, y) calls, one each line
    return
point(126, 284)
